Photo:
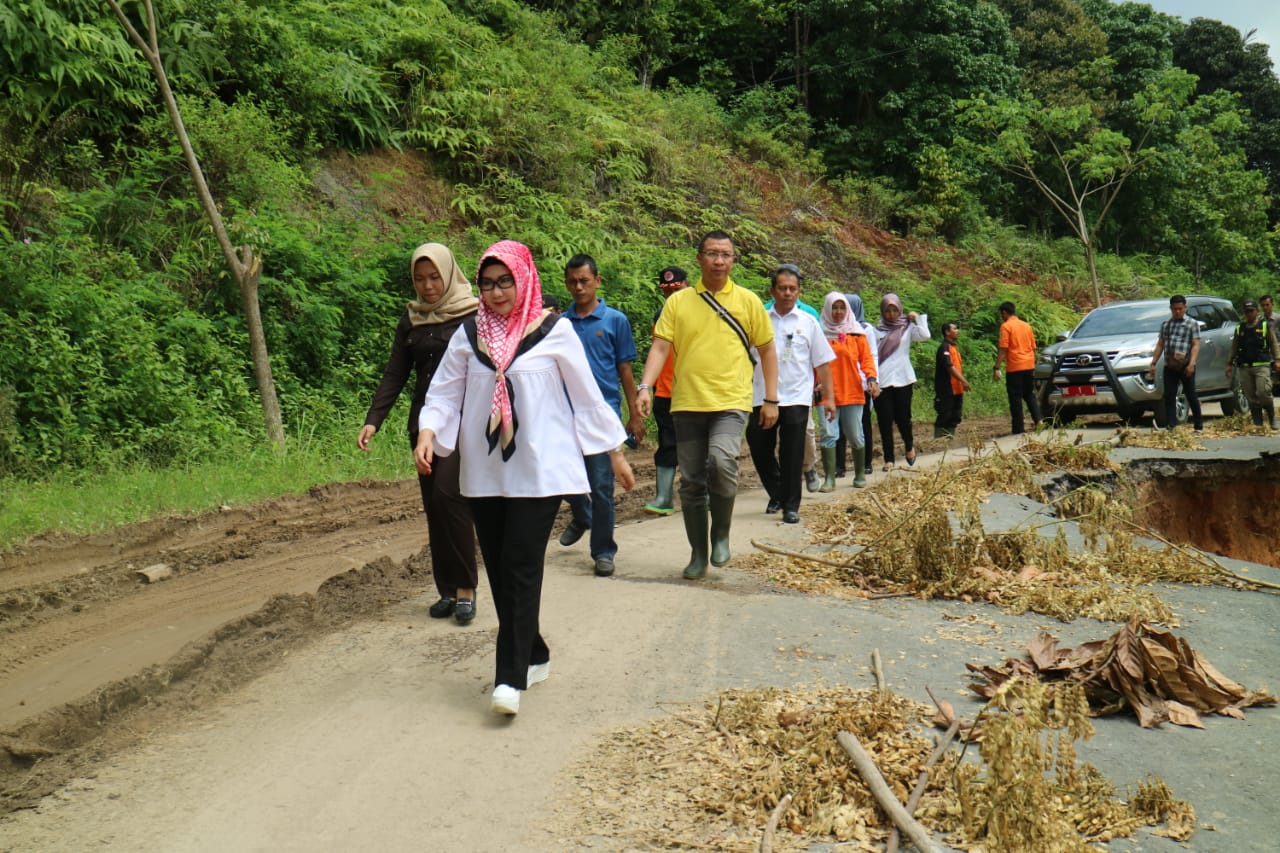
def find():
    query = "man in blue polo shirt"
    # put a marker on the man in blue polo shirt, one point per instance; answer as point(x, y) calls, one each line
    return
point(606, 336)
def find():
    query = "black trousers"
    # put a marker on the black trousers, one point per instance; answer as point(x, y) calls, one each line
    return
point(1173, 379)
point(950, 408)
point(665, 455)
point(513, 535)
point(451, 534)
point(778, 453)
point(1020, 386)
point(893, 406)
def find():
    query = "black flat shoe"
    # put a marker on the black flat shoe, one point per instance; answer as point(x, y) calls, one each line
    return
point(773, 507)
point(790, 516)
point(442, 608)
point(465, 610)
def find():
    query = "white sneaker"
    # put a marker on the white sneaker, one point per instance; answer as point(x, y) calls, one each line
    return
point(538, 673)
point(505, 700)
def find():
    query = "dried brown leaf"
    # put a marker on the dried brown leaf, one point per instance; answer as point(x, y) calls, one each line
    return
point(1159, 676)
point(1181, 715)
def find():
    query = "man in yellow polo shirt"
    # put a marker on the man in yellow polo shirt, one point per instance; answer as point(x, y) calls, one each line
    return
point(711, 329)
point(1018, 352)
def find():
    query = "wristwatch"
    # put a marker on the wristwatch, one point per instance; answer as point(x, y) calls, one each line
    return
point(641, 387)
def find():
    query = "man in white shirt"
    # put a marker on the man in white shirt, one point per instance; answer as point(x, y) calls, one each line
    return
point(802, 348)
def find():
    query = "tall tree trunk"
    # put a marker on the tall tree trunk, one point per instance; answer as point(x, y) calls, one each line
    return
point(245, 266)
point(1089, 256)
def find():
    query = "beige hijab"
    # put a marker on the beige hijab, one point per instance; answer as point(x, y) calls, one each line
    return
point(457, 301)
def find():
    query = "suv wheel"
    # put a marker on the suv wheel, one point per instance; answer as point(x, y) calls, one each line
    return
point(1131, 414)
point(1236, 401)
point(1180, 412)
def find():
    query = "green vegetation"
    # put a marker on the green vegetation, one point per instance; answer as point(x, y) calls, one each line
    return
point(74, 503)
point(913, 146)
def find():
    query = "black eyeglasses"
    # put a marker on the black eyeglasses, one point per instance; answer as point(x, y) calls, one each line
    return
point(506, 282)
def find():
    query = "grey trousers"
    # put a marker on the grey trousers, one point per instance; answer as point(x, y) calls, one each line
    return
point(707, 447)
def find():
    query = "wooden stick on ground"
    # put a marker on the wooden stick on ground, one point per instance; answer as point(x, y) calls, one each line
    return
point(922, 782)
point(799, 555)
point(888, 802)
point(766, 843)
point(875, 667)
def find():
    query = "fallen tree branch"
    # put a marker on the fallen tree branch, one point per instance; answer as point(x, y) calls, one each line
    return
point(888, 802)
point(1199, 556)
point(922, 782)
point(766, 843)
point(875, 667)
point(924, 503)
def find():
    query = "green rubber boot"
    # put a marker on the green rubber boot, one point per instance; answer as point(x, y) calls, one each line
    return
point(828, 470)
point(695, 528)
point(662, 504)
point(860, 475)
point(721, 521)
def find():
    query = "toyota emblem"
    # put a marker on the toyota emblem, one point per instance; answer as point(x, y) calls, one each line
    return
point(1084, 360)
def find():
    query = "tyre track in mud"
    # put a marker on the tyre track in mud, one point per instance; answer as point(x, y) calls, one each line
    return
point(74, 619)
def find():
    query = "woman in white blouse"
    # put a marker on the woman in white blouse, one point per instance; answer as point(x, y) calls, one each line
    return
point(897, 377)
point(515, 397)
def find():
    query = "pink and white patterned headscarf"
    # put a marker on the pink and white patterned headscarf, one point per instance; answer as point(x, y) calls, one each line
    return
point(501, 335)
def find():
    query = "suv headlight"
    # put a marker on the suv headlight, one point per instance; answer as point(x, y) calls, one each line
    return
point(1135, 358)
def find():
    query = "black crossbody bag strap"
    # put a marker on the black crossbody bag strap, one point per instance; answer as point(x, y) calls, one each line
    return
point(733, 323)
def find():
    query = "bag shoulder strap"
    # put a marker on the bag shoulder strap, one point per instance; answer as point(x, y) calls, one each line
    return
point(732, 321)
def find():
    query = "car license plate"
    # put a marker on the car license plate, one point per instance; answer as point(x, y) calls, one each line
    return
point(1079, 391)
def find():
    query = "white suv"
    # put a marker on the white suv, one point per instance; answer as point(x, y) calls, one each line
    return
point(1101, 365)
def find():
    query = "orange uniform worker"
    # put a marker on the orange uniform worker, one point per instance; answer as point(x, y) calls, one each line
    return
point(1018, 354)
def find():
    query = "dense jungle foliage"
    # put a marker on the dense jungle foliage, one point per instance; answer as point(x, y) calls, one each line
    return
point(956, 152)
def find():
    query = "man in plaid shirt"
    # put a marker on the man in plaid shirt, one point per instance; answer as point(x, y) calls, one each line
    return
point(1180, 343)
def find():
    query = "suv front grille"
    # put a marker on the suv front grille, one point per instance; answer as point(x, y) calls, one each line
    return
point(1086, 361)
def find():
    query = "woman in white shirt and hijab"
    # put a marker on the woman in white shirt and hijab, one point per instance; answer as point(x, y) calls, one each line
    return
point(516, 398)
point(897, 376)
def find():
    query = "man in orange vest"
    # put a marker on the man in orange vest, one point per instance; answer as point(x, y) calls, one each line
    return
point(949, 384)
point(1018, 354)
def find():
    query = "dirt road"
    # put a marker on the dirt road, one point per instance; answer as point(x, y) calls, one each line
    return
point(366, 726)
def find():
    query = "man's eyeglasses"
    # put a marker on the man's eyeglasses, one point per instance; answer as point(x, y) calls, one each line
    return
point(718, 256)
point(506, 282)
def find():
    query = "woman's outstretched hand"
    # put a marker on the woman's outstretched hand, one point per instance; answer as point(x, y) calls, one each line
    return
point(423, 451)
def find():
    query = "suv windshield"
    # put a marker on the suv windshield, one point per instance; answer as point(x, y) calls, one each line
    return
point(1131, 319)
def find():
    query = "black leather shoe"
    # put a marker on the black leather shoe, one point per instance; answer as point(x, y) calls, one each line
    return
point(604, 567)
point(571, 534)
point(442, 608)
point(790, 516)
point(465, 610)
point(773, 507)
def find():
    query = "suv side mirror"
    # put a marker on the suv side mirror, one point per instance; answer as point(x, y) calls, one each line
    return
point(1061, 336)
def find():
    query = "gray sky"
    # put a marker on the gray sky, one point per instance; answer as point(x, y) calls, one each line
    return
point(1244, 15)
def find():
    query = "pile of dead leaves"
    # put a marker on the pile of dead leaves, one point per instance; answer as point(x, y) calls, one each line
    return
point(923, 535)
point(1183, 437)
point(1155, 674)
point(708, 776)
point(1030, 795)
